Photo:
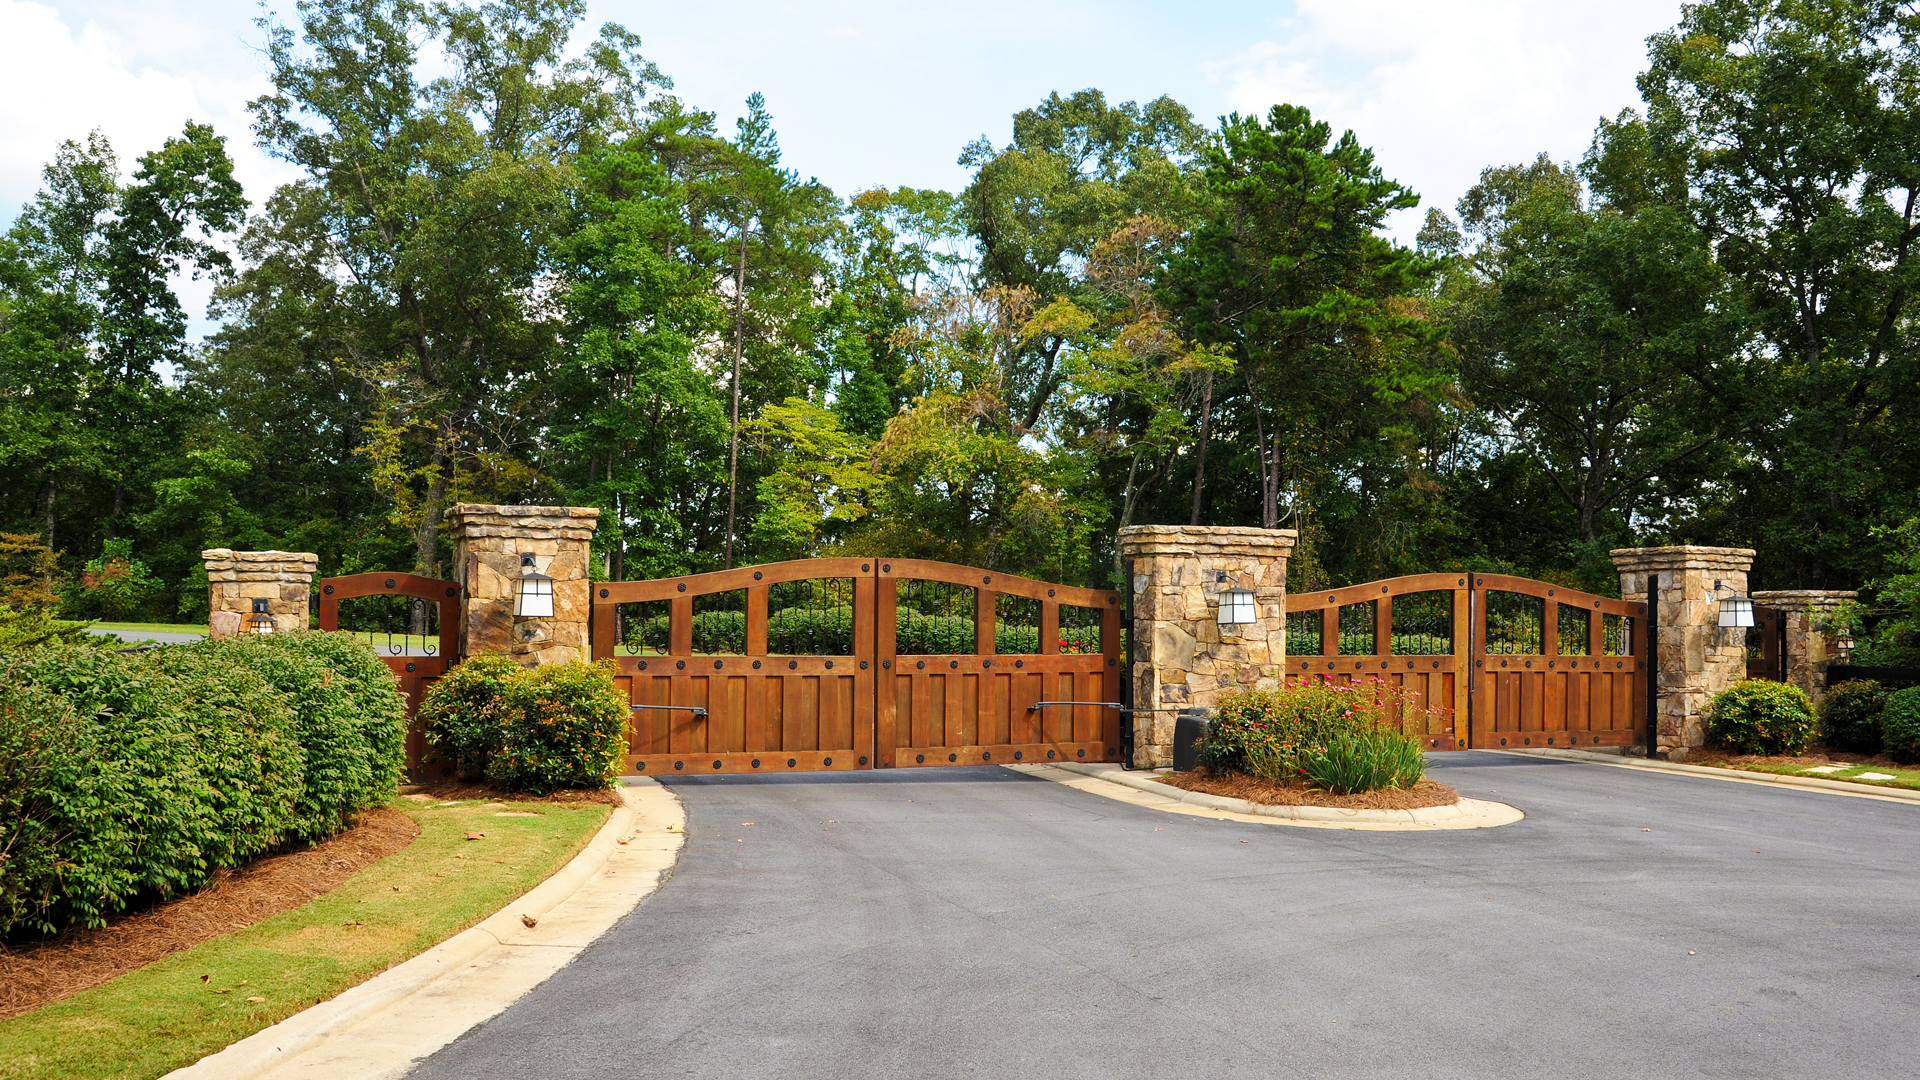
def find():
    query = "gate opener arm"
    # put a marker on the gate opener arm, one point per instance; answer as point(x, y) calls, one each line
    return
point(694, 709)
point(1038, 705)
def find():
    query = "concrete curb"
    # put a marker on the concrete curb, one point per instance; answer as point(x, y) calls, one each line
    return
point(1809, 783)
point(477, 973)
point(1466, 814)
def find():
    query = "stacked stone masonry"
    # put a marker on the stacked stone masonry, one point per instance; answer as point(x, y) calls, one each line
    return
point(235, 579)
point(1810, 645)
point(1695, 657)
point(1182, 656)
point(487, 545)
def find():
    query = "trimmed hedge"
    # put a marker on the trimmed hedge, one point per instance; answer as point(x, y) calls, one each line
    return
point(126, 776)
point(1900, 725)
point(1759, 716)
point(1850, 716)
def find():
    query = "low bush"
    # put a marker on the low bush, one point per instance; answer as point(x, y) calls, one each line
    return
point(131, 775)
point(460, 712)
point(1278, 735)
point(1367, 761)
point(1758, 716)
point(1850, 716)
point(32, 628)
point(1900, 725)
point(562, 726)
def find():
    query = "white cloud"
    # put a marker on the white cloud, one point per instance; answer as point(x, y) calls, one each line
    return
point(59, 84)
point(1443, 88)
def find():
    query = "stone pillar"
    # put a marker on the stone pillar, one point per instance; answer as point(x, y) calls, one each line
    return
point(1810, 645)
point(235, 579)
point(1695, 657)
point(1182, 657)
point(487, 544)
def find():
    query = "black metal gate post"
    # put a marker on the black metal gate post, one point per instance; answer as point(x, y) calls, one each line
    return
point(1652, 648)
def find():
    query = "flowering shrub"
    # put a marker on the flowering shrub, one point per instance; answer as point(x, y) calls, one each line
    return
point(461, 712)
point(563, 726)
point(116, 582)
point(1278, 735)
point(1756, 716)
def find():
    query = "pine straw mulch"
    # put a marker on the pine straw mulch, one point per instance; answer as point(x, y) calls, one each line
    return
point(35, 973)
point(1714, 758)
point(1238, 786)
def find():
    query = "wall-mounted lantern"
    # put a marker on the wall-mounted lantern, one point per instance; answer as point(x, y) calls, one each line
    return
point(261, 621)
point(1236, 605)
point(1735, 610)
point(535, 598)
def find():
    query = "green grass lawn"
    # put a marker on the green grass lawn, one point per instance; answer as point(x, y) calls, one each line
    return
point(149, 1022)
point(154, 628)
point(1902, 777)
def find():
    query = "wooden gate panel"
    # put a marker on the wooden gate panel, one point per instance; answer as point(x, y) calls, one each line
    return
point(1566, 692)
point(756, 710)
point(1437, 681)
point(416, 672)
point(984, 706)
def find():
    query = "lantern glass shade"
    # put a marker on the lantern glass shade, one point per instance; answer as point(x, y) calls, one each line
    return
point(1736, 611)
point(261, 621)
point(1236, 607)
point(535, 599)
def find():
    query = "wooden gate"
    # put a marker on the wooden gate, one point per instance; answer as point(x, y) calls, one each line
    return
point(417, 658)
point(1767, 644)
point(1489, 660)
point(836, 664)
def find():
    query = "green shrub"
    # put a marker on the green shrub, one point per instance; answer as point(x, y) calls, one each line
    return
point(563, 726)
point(1272, 734)
point(461, 712)
point(1757, 716)
point(1900, 725)
point(31, 628)
point(1850, 716)
point(132, 775)
point(1366, 761)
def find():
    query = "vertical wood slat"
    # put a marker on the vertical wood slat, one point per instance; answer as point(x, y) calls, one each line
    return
point(1550, 628)
point(1555, 703)
point(888, 724)
point(985, 621)
point(1383, 625)
point(922, 709)
point(864, 737)
point(1107, 721)
point(1043, 685)
point(953, 719)
point(1463, 656)
point(1596, 633)
point(1330, 630)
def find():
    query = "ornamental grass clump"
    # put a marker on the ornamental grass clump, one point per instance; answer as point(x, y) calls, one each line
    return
point(1342, 737)
point(1759, 716)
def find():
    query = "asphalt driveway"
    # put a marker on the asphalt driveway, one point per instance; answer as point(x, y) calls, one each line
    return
point(981, 923)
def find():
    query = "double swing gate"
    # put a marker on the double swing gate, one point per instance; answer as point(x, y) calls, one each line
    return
point(846, 664)
point(1486, 660)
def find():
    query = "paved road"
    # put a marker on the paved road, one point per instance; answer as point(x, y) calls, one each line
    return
point(980, 923)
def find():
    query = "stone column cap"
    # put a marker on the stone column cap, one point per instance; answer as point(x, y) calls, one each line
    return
point(1682, 557)
point(495, 510)
point(1210, 539)
point(218, 554)
point(1803, 597)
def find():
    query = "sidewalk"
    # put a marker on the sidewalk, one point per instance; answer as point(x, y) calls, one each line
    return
point(388, 1024)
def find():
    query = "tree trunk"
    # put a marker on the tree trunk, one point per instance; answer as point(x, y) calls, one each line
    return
point(426, 539)
point(739, 341)
point(46, 579)
point(1200, 451)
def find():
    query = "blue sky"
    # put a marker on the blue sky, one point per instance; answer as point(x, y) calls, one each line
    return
point(867, 93)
